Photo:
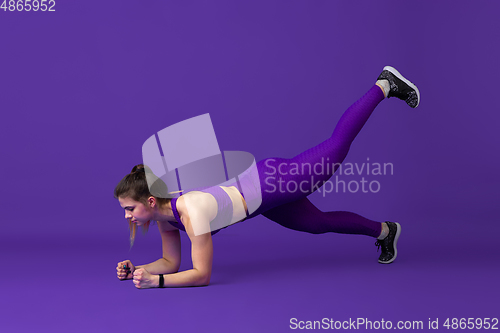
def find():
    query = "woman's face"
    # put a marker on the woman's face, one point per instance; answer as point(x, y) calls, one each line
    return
point(136, 211)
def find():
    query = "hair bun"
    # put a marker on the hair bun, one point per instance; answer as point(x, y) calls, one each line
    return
point(137, 168)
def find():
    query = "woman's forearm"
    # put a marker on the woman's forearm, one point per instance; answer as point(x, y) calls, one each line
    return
point(189, 278)
point(160, 266)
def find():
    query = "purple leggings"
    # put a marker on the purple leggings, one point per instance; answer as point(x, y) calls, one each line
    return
point(292, 209)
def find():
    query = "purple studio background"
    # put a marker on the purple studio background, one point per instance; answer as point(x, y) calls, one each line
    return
point(83, 87)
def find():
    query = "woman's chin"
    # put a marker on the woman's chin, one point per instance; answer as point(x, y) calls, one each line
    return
point(140, 223)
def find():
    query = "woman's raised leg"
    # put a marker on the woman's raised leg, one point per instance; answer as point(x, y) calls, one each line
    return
point(287, 180)
point(293, 210)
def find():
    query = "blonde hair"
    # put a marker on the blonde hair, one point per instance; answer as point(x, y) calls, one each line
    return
point(133, 230)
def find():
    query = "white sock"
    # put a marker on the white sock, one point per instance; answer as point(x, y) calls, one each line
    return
point(385, 85)
point(385, 231)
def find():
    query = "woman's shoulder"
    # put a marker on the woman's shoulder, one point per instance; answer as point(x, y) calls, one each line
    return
point(197, 196)
point(196, 202)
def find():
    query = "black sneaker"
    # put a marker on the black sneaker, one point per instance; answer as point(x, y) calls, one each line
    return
point(388, 244)
point(400, 87)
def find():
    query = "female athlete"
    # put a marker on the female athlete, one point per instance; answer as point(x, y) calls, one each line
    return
point(290, 209)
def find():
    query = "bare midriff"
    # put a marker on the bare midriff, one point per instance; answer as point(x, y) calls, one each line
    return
point(244, 202)
point(242, 199)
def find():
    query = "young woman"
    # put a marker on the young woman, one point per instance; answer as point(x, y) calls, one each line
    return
point(290, 209)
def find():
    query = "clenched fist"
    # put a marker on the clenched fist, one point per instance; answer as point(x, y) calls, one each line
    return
point(143, 279)
point(125, 270)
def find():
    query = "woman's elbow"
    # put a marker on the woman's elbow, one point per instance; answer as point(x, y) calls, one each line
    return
point(204, 280)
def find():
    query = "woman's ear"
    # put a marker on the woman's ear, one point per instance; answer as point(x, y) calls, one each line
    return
point(152, 202)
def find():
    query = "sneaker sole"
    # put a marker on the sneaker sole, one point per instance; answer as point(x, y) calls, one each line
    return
point(398, 233)
point(402, 78)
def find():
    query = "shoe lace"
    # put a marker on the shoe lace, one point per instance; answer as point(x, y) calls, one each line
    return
point(381, 243)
